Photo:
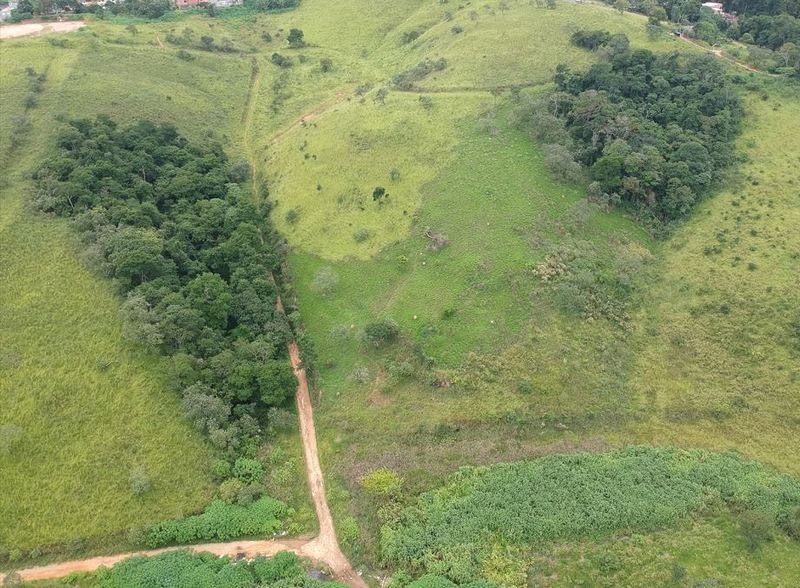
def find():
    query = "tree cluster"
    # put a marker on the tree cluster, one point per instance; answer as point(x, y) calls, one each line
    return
point(267, 5)
point(205, 570)
point(654, 130)
point(771, 7)
point(166, 220)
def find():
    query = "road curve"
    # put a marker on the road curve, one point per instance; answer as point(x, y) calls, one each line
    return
point(322, 549)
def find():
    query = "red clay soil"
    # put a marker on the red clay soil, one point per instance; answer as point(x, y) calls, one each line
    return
point(322, 549)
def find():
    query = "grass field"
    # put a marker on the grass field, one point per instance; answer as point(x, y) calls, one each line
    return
point(492, 363)
point(83, 407)
point(527, 375)
point(86, 408)
point(720, 353)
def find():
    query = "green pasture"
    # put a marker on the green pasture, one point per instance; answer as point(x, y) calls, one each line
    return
point(491, 364)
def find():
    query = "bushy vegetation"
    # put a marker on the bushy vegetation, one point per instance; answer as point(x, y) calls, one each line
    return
point(204, 570)
point(767, 27)
point(575, 496)
point(193, 254)
point(655, 130)
point(221, 522)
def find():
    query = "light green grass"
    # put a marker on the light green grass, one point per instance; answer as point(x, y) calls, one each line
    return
point(502, 48)
point(720, 364)
point(84, 426)
point(702, 550)
point(327, 169)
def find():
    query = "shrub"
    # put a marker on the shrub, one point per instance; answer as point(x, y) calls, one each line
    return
point(249, 494)
point(361, 235)
point(410, 36)
point(641, 488)
point(292, 216)
point(221, 522)
point(295, 38)
point(10, 437)
point(139, 480)
point(383, 483)
point(790, 522)
point(561, 163)
point(326, 64)
point(381, 333)
point(325, 281)
point(184, 568)
point(406, 79)
point(378, 193)
point(248, 470)
point(281, 60)
point(229, 490)
point(756, 528)
point(361, 375)
point(221, 469)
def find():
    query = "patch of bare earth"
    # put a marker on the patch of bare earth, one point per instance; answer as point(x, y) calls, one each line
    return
point(25, 29)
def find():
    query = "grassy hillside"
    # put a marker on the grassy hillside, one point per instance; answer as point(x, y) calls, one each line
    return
point(84, 408)
point(491, 362)
point(720, 356)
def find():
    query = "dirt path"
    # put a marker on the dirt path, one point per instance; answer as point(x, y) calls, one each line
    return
point(247, 549)
point(310, 115)
point(11, 31)
point(719, 54)
point(323, 549)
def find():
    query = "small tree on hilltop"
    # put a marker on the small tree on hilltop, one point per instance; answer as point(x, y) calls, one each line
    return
point(295, 38)
point(378, 193)
point(381, 333)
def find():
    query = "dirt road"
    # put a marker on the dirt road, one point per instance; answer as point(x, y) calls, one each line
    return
point(719, 53)
point(325, 547)
point(24, 29)
point(322, 549)
point(249, 549)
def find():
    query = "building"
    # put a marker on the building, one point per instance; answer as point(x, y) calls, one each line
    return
point(715, 7)
point(5, 12)
point(718, 9)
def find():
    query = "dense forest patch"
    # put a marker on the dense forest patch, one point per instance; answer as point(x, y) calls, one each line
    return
point(655, 130)
point(452, 529)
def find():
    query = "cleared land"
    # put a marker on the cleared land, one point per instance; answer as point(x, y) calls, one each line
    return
point(12, 31)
